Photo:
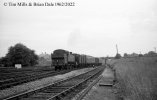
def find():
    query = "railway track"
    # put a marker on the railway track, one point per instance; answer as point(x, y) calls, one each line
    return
point(59, 90)
point(23, 79)
point(9, 74)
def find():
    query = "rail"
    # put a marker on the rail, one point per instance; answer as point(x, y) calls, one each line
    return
point(64, 92)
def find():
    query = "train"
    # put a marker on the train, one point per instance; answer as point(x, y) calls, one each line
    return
point(63, 59)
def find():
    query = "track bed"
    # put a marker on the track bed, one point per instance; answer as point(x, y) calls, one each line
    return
point(17, 77)
point(59, 90)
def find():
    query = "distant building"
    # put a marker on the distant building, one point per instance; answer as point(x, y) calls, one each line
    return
point(44, 59)
point(45, 56)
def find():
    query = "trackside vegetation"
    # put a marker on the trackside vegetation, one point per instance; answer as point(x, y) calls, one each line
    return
point(137, 77)
point(19, 54)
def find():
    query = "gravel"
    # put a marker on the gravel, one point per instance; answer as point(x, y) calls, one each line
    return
point(101, 92)
point(38, 83)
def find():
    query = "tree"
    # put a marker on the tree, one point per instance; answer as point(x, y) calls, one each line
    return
point(4, 61)
point(118, 56)
point(125, 55)
point(140, 55)
point(20, 54)
point(151, 53)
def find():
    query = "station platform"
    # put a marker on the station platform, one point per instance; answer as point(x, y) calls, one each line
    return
point(103, 89)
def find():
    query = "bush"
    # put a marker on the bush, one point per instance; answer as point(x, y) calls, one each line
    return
point(140, 55)
point(151, 53)
point(125, 55)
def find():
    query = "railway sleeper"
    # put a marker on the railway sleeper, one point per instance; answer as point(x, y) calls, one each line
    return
point(44, 96)
point(64, 91)
point(68, 84)
point(54, 90)
point(72, 88)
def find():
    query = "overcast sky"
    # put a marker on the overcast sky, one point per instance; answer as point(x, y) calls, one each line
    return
point(91, 27)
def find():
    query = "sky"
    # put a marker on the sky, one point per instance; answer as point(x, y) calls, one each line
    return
point(91, 27)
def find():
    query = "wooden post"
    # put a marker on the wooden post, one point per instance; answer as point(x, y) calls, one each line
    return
point(117, 48)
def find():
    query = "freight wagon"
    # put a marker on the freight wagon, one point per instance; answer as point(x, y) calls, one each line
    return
point(82, 61)
point(90, 61)
point(97, 62)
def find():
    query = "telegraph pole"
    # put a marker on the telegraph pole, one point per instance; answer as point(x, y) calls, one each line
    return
point(117, 48)
point(118, 56)
point(155, 49)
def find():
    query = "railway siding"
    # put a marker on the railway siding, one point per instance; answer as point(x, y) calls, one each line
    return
point(39, 83)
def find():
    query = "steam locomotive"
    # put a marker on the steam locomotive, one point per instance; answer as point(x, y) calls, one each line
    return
point(62, 59)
